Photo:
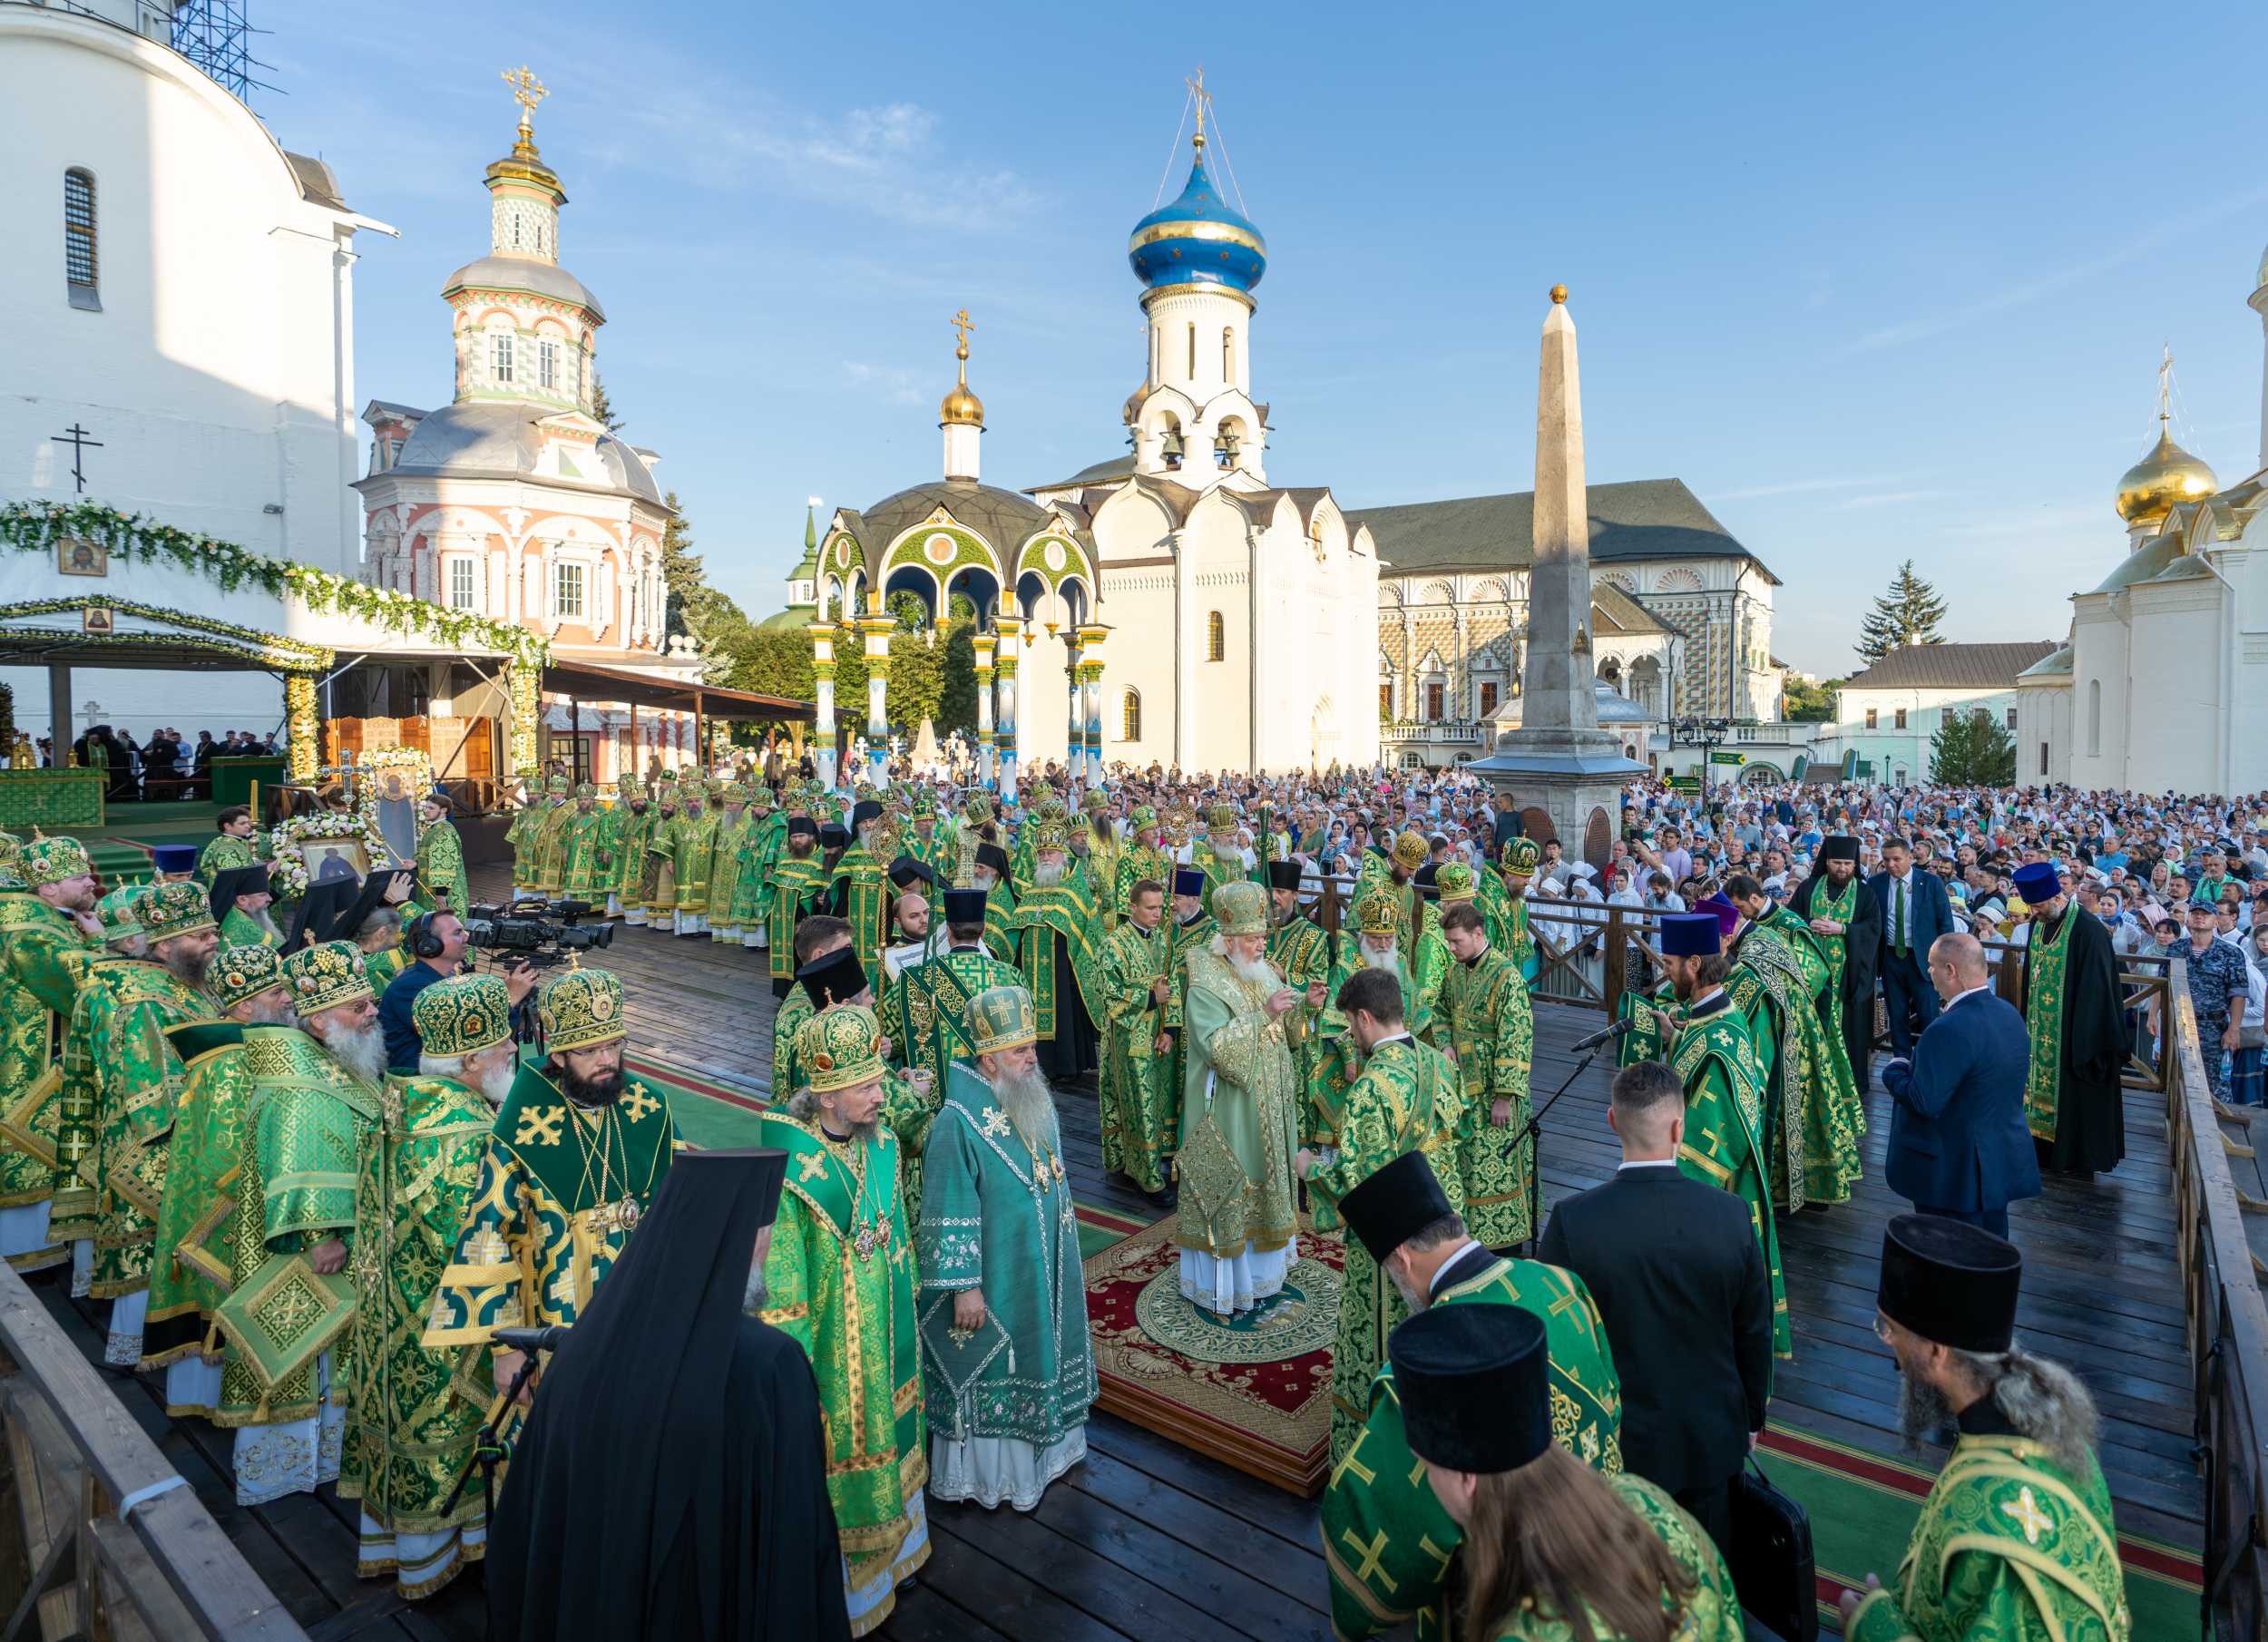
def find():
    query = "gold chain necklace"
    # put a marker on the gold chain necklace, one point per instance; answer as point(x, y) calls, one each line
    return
point(872, 1233)
point(610, 1213)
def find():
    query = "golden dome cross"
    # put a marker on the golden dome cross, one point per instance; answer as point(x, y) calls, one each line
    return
point(1197, 92)
point(964, 325)
point(527, 90)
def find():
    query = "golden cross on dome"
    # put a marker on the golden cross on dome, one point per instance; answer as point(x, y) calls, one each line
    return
point(1196, 90)
point(2165, 384)
point(964, 325)
point(527, 90)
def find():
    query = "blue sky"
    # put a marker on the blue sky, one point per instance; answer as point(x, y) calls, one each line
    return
point(1877, 284)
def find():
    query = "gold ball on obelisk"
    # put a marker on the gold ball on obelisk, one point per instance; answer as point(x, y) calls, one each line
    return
point(1559, 293)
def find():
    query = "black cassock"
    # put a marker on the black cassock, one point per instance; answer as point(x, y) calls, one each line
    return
point(1074, 1048)
point(1861, 952)
point(2090, 1107)
point(670, 1482)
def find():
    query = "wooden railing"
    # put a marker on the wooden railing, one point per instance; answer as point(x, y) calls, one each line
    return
point(102, 1539)
point(2227, 1326)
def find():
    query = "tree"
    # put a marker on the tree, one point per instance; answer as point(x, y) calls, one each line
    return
point(1811, 703)
point(695, 607)
point(1971, 747)
point(602, 410)
point(956, 703)
point(918, 679)
point(1907, 614)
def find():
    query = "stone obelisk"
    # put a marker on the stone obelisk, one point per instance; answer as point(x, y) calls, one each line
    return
point(1559, 760)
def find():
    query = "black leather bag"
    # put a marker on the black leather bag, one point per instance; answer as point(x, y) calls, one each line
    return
point(1772, 1558)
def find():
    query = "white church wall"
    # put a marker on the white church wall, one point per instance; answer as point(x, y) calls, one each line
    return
point(2175, 689)
point(2099, 675)
point(1213, 542)
point(2043, 733)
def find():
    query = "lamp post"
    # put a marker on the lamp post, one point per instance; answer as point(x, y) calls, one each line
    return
point(1707, 734)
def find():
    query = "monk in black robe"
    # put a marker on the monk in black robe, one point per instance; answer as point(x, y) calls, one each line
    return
point(2087, 1130)
point(1817, 901)
point(670, 1482)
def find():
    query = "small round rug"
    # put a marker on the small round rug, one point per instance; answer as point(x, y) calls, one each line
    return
point(1303, 1316)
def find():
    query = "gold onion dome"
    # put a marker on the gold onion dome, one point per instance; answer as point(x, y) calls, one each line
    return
point(962, 408)
point(2166, 476)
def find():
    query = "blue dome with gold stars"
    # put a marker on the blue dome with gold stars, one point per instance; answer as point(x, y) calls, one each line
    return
point(1197, 239)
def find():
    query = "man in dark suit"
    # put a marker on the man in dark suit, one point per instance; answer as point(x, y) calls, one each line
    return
point(1680, 1282)
point(1915, 913)
point(1958, 1145)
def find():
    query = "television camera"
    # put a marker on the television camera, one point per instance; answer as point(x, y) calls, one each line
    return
point(538, 933)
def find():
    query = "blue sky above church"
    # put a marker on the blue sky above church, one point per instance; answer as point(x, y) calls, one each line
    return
point(1890, 287)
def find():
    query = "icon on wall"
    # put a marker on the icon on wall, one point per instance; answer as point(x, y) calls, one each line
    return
point(97, 618)
point(76, 556)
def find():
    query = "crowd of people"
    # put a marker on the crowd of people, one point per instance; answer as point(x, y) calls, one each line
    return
point(333, 1201)
point(165, 765)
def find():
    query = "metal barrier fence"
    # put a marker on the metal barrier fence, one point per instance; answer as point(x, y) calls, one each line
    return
point(101, 1538)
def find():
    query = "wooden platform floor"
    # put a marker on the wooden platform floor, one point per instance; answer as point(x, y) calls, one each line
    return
point(1148, 1542)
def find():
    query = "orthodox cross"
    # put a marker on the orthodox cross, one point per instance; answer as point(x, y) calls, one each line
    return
point(80, 444)
point(962, 325)
point(1197, 92)
point(2164, 385)
point(527, 90)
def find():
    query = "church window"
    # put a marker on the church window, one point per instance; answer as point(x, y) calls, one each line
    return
point(1432, 703)
point(1385, 703)
point(2011, 718)
point(1488, 697)
point(1872, 715)
point(2094, 718)
point(461, 582)
point(1229, 355)
point(1215, 636)
point(1130, 716)
point(567, 591)
point(2043, 759)
point(500, 357)
point(1899, 722)
point(78, 231)
point(547, 366)
point(1193, 348)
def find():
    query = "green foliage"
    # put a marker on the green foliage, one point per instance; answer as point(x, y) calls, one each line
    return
point(917, 678)
point(695, 607)
point(602, 410)
point(771, 663)
point(1811, 703)
point(1971, 749)
point(1907, 614)
point(956, 703)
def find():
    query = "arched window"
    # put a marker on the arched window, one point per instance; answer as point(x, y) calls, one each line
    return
point(1215, 636)
point(1130, 716)
point(547, 366)
point(79, 264)
point(1193, 348)
point(1229, 355)
point(2094, 718)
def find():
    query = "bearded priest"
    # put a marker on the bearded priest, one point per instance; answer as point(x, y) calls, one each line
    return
point(1008, 1367)
point(1237, 1225)
point(840, 1276)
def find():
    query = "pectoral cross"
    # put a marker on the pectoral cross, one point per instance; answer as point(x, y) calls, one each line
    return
point(80, 444)
point(1370, 1554)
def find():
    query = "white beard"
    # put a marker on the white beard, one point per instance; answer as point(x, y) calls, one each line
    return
point(1389, 959)
point(1029, 1104)
point(496, 1082)
point(361, 1051)
point(1047, 875)
point(1259, 972)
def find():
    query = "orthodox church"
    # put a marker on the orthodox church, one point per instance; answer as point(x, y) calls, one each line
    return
point(2163, 678)
point(1172, 605)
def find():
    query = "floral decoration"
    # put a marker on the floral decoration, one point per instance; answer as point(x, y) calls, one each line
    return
point(416, 769)
point(287, 864)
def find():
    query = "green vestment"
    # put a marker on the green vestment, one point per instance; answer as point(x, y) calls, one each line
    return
point(658, 878)
point(1484, 1011)
point(761, 843)
point(585, 866)
point(724, 872)
point(1821, 1116)
point(523, 835)
point(841, 1282)
point(411, 1431)
point(633, 825)
point(1063, 912)
point(1240, 1071)
point(440, 867)
point(43, 954)
point(1140, 863)
point(550, 846)
point(859, 888)
point(1333, 1061)
point(2046, 956)
point(694, 843)
point(1140, 1106)
point(798, 883)
point(997, 1213)
point(1379, 1512)
point(1715, 1060)
point(191, 1273)
point(2011, 1547)
point(223, 854)
point(239, 929)
point(1406, 1099)
point(1301, 952)
point(1181, 940)
point(787, 1020)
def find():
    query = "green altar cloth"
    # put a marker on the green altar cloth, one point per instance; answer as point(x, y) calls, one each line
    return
point(52, 797)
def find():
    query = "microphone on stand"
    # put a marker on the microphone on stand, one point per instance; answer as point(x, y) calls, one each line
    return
point(530, 1339)
point(1597, 1040)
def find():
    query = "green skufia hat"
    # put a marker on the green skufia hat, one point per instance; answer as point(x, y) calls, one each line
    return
point(239, 973)
point(581, 1009)
point(840, 1048)
point(463, 1015)
point(116, 913)
point(175, 909)
point(326, 976)
point(1521, 856)
point(53, 861)
point(1456, 883)
point(1241, 908)
point(924, 803)
point(1001, 1017)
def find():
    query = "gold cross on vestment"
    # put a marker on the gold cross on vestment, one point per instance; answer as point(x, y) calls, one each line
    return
point(637, 1103)
point(811, 1166)
point(2026, 1513)
point(1442, 1556)
point(539, 1126)
point(1370, 1555)
point(561, 1292)
point(1349, 1463)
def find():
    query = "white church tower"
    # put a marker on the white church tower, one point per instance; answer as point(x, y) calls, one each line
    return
point(1194, 417)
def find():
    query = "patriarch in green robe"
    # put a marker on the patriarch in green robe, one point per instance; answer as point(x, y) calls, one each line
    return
point(572, 1162)
point(840, 1282)
point(121, 1074)
point(1486, 1017)
point(1552, 1550)
point(411, 1430)
point(1408, 1227)
point(2016, 1539)
point(312, 1107)
point(49, 934)
point(235, 844)
point(1707, 1044)
point(440, 857)
point(1407, 1099)
point(1140, 1103)
point(1236, 1223)
point(1008, 1367)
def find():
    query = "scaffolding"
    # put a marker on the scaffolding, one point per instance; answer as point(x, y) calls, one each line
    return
point(215, 36)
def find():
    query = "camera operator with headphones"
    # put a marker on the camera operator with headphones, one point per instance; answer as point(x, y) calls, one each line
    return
point(436, 943)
